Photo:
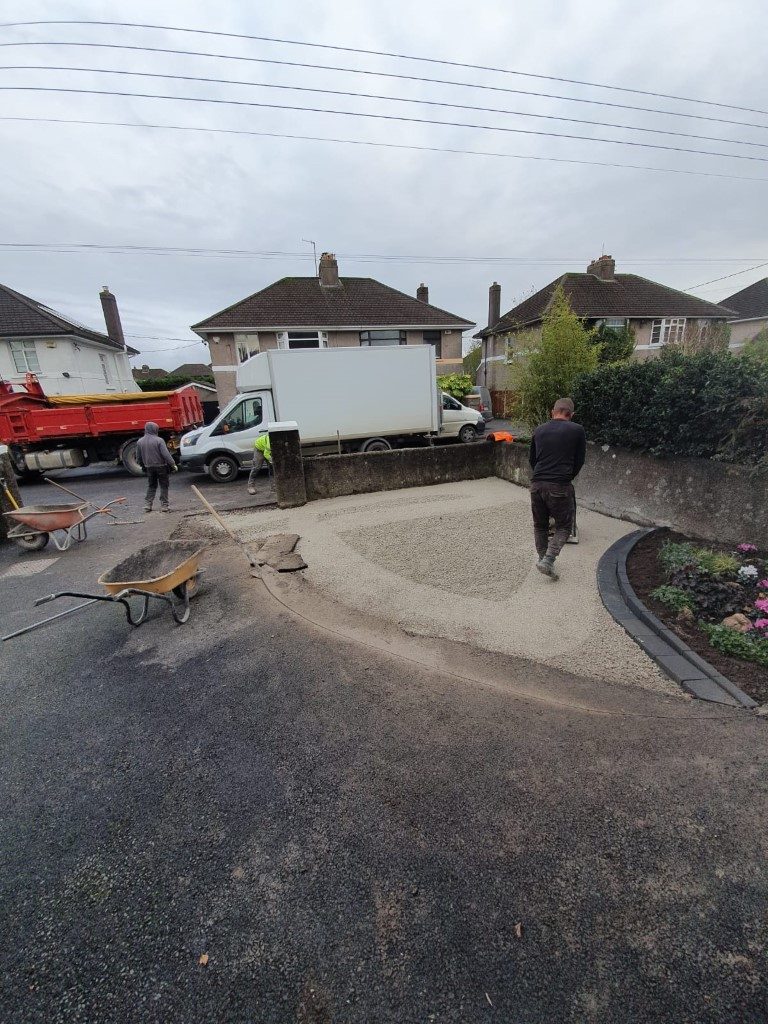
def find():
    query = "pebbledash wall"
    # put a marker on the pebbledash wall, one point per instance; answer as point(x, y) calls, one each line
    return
point(707, 499)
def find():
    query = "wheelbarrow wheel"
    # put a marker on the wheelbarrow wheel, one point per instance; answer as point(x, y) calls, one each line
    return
point(180, 611)
point(33, 541)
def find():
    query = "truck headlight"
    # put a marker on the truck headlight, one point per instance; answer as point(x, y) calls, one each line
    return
point(188, 441)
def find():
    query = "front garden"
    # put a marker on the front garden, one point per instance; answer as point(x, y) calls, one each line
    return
point(714, 597)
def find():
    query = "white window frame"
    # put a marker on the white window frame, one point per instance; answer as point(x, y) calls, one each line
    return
point(246, 345)
point(615, 323)
point(668, 331)
point(25, 357)
point(284, 338)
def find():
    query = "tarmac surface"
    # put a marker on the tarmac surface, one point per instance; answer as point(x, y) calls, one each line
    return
point(250, 818)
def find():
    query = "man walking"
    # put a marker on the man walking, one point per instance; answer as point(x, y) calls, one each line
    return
point(157, 462)
point(558, 450)
point(262, 452)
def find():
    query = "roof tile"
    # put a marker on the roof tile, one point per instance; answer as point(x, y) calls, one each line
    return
point(751, 301)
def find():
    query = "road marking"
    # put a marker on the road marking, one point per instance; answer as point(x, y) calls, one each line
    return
point(29, 568)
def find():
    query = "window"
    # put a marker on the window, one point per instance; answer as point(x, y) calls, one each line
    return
point(668, 332)
point(377, 339)
point(247, 345)
point(244, 416)
point(105, 369)
point(451, 403)
point(433, 338)
point(302, 339)
point(615, 323)
point(25, 357)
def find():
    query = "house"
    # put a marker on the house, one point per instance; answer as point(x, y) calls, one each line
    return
point(66, 357)
point(657, 315)
point(192, 370)
point(189, 371)
point(751, 307)
point(328, 311)
point(149, 373)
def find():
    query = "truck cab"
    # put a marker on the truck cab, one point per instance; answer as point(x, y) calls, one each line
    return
point(225, 446)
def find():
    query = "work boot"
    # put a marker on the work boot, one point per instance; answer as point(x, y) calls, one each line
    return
point(147, 508)
point(251, 490)
point(166, 508)
point(574, 538)
point(546, 565)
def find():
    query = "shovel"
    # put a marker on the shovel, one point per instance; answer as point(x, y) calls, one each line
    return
point(255, 571)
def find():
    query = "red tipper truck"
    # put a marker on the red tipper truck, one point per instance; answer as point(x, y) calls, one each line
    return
point(68, 431)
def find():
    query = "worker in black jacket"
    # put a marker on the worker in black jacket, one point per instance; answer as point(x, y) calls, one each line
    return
point(558, 450)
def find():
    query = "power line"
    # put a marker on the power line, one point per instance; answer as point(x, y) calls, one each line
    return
point(385, 53)
point(161, 250)
point(383, 145)
point(379, 96)
point(377, 117)
point(402, 77)
point(726, 276)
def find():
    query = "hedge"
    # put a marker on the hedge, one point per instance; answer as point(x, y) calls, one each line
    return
point(708, 405)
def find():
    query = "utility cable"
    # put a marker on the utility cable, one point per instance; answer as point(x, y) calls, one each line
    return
point(383, 145)
point(726, 276)
point(402, 77)
point(383, 53)
point(379, 96)
point(377, 117)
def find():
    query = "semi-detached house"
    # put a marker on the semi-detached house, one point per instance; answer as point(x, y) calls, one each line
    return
point(328, 311)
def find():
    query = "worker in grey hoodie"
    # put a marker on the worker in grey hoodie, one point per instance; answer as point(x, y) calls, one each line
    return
point(157, 462)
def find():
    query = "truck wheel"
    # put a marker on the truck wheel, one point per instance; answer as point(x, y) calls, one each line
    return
point(223, 469)
point(33, 541)
point(129, 456)
point(467, 434)
point(376, 444)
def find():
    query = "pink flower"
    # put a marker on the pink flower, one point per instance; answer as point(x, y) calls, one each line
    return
point(763, 584)
point(761, 624)
point(762, 604)
point(746, 549)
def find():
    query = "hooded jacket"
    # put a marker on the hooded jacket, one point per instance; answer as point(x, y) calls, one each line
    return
point(152, 451)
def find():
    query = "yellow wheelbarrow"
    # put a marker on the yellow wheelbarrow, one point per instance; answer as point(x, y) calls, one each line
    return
point(168, 572)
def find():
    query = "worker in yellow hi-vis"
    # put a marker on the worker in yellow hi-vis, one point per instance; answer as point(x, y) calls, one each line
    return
point(262, 453)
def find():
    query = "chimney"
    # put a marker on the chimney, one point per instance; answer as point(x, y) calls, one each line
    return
point(422, 293)
point(328, 271)
point(604, 268)
point(494, 304)
point(112, 316)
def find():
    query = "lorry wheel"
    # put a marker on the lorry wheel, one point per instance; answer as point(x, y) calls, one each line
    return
point(223, 469)
point(467, 434)
point(376, 444)
point(129, 456)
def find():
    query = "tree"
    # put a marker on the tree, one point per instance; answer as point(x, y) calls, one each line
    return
point(613, 346)
point(548, 372)
point(472, 359)
point(711, 337)
point(757, 347)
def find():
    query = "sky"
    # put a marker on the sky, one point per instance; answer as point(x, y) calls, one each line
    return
point(520, 221)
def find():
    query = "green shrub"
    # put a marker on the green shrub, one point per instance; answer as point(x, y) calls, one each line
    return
point(549, 371)
point(707, 405)
point(471, 360)
point(613, 346)
point(717, 563)
point(171, 383)
point(456, 384)
point(747, 646)
point(673, 597)
point(675, 556)
point(757, 347)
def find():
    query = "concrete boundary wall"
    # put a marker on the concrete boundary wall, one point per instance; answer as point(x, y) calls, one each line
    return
point(330, 476)
point(712, 500)
point(707, 499)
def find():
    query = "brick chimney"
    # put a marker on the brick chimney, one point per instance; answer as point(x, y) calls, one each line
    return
point(494, 304)
point(112, 316)
point(328, 271)
point(422, 293)
point(604, 268)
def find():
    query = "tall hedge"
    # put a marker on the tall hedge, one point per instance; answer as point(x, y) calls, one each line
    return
point(709, 405)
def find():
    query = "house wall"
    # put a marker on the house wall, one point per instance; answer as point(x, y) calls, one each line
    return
point(744, 331)
point(77, 357)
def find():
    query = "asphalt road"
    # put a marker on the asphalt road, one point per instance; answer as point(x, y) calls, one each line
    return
point(246, 819)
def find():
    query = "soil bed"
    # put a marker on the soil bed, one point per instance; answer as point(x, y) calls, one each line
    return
point(646, 573)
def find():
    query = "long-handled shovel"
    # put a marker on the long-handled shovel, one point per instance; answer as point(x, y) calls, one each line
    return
point(254, 565)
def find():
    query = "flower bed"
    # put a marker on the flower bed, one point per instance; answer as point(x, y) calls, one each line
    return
point(694, 589)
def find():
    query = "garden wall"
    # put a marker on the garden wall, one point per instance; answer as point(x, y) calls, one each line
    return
point(329, 476)
point(712, 500)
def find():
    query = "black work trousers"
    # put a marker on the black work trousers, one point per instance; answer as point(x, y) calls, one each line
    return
point(157, 475)
point(555, 500)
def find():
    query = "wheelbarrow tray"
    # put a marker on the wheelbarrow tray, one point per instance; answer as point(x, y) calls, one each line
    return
point(156, 569)
point(46, 518)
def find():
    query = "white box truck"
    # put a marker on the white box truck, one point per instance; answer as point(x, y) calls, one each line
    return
point(362, 399)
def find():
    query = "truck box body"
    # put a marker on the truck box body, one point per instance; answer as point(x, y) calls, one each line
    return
point(349, 392)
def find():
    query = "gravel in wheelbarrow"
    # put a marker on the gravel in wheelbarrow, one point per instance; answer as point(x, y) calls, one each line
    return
point(151, 567)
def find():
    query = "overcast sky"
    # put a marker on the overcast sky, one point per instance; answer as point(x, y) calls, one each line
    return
point(147, 187)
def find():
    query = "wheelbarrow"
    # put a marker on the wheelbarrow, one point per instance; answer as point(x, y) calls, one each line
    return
point(167, 572)
point(37, 524)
